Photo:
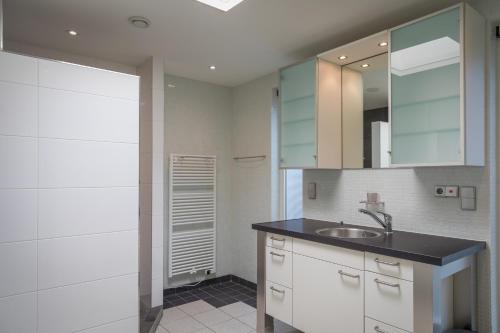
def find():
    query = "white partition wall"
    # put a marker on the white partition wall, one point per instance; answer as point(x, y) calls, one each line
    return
point(68, 198)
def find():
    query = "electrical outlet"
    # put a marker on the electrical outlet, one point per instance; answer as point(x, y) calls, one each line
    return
point(440, 191)
point(451, 191)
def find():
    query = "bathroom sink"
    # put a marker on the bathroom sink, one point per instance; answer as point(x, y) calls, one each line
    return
point(343, 232)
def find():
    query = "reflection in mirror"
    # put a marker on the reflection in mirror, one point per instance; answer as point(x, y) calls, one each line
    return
point(365, 116)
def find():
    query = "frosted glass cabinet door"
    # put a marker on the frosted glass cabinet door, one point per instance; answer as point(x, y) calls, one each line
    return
point(425, 91)
point(298, 116)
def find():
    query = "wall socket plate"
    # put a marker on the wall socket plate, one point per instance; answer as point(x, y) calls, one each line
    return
point(451, 191)
point(440, 191)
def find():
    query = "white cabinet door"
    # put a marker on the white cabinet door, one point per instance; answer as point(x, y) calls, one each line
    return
point(327, 297)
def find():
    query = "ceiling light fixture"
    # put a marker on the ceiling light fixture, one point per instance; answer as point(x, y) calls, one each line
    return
point(139, 22)
point(72, 32)
point(223, 5)
point(343, 57)
point(212, 67)
point(382, 44)
point(365, 65)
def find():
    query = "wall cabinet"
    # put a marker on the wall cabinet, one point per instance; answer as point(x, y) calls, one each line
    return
point(437, 90)
point(310, 115)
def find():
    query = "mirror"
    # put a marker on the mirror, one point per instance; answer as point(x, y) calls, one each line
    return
point(365, 101)
point(365, 113)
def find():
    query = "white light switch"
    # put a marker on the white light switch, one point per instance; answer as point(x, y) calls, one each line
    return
point(468, 197)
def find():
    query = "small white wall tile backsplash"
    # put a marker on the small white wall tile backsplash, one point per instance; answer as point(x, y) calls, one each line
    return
point(408, 197)
point(69, 200)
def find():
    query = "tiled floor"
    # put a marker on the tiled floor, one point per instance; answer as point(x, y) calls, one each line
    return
point(216, 295)
point(201, 317)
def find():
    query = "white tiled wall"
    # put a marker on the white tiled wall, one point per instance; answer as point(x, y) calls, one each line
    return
point(68, 198)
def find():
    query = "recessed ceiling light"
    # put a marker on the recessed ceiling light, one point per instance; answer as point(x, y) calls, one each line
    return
point(382, 44)
point(365, 65)
point(342, 57)
point(212, 67)
point(223, 5)
point(170, 85)
point(72, 32)
point(139, 22)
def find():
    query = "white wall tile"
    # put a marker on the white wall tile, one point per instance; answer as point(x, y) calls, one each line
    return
point(157, 230)
point(87, 305)
point(130, 325)
point(18, 314)
point(69, 163)
point(17, 68)
point(157, 291)
point(69, 260)
point(18, 268)
point(72, 115)
point(19, 166)
point(89, 211)
point(18, 214)
point(157, 262)
point(18, 109)
point(88, 80)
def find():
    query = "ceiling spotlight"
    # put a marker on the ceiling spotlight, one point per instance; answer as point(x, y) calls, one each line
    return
point(382, 44)
point(365, 65)
point(171, 85)
point(212, 67)
point(139, 22)
point(342, 57)
point(72, 32)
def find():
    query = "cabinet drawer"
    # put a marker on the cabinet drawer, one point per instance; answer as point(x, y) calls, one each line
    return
point(279, 302)
point(391, 266)
point(279, 266)
point(330, 253)
point(279, 242)
point(373, 326)
point(389, 300)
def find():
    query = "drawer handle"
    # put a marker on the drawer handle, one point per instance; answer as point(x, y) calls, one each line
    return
point(341, 272)
point(378, 261)
point(277, 254)
point(277, 290)
point(274, 239)
point(394, 285)
point(379, 330)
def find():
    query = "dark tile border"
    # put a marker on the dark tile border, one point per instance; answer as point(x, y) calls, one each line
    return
point(209, 282)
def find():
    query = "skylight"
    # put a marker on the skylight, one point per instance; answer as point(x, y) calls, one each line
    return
point(223, 5)
point(436, 53)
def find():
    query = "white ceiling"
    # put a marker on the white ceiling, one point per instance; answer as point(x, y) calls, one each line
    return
point(253, 39)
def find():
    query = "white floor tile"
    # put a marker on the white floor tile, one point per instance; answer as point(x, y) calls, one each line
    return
point(250, 319)
point(232, 326)
point(172, 314)
point(160, 329)
point(212, 317)
point(196, 307)
point(237, 309)
point(205, 330)
point(184, 325)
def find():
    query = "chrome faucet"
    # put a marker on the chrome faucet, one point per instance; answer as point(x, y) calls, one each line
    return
point(386, 223)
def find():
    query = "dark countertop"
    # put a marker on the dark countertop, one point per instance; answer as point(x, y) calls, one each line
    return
point(428, 249)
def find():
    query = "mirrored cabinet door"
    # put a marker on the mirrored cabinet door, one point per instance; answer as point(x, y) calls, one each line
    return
point(298, 115)
point(426, 112)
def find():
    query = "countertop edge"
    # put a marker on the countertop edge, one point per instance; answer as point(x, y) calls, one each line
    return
point(426, 259)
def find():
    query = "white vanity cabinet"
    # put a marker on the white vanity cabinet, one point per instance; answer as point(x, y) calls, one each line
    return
point(327, 297)
point(320, 288)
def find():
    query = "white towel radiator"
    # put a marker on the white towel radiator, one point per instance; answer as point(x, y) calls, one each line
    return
point(192, 214)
